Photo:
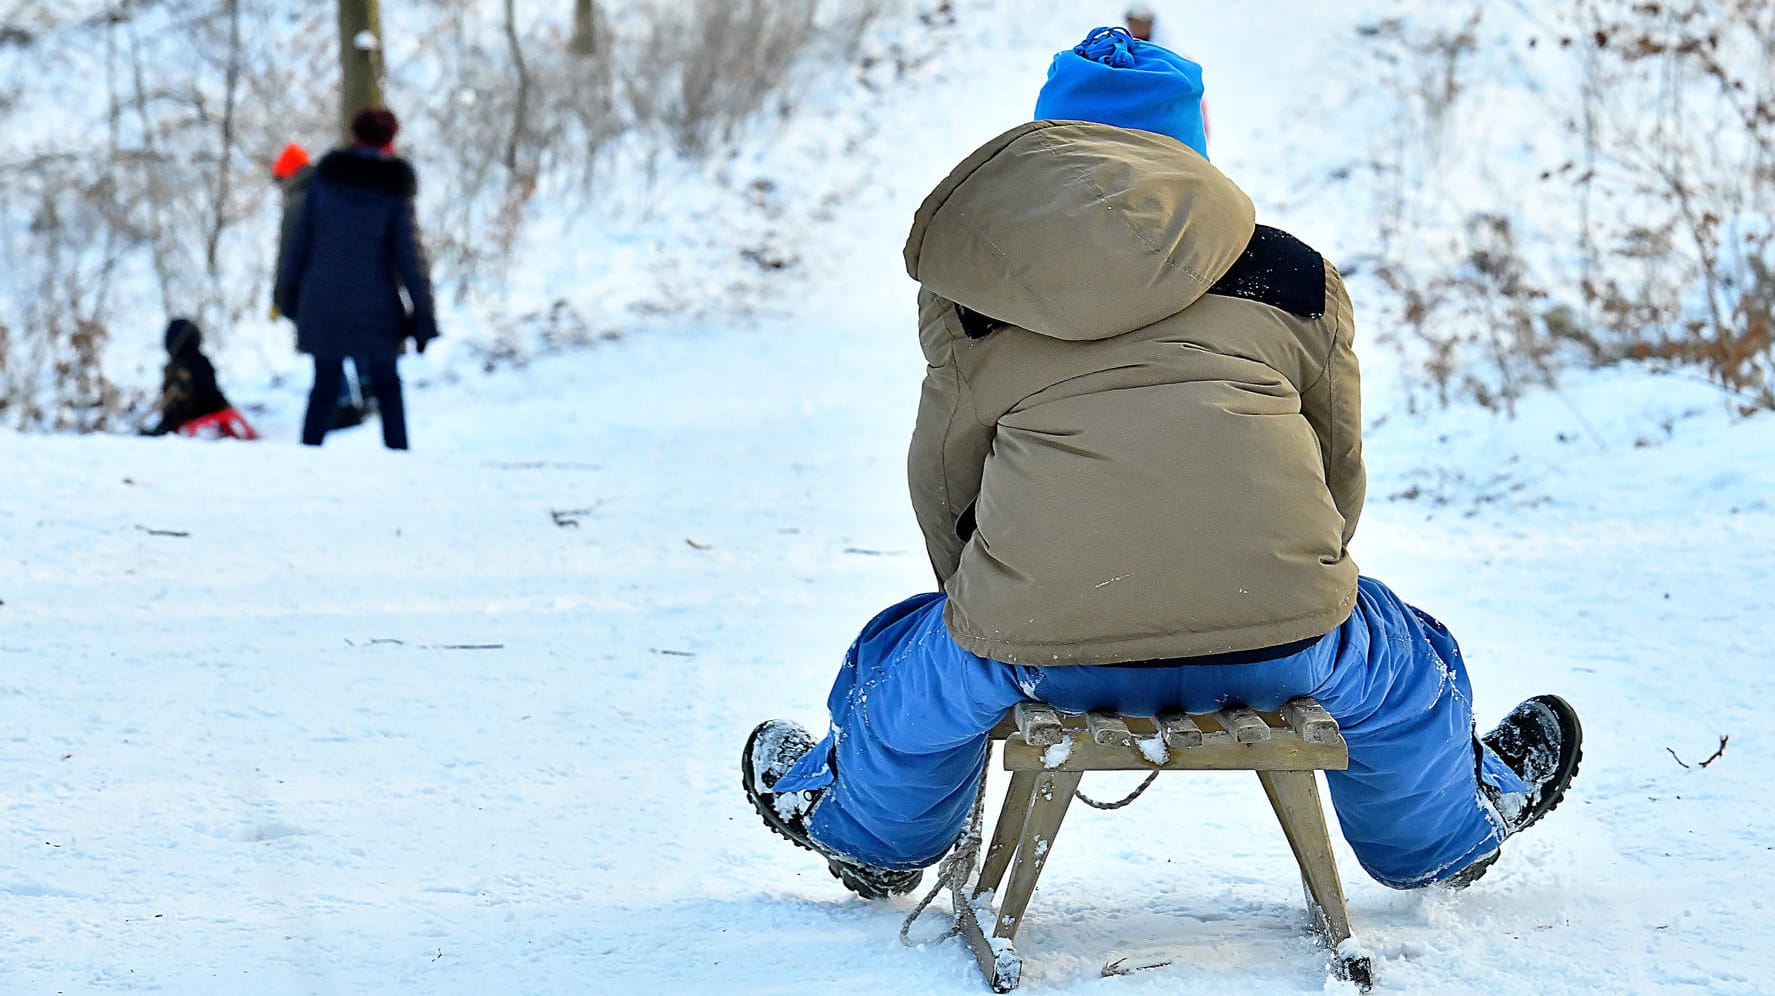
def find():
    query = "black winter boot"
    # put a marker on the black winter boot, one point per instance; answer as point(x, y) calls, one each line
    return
point(1542, 741)
point(771, 750)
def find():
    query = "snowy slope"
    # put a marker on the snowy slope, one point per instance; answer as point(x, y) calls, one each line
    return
point(377, 723)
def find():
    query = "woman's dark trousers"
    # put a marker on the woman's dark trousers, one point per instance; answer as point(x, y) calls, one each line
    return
point(385, 381)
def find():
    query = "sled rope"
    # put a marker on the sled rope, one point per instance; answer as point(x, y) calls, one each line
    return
point(955, 871)
point(1119, 803)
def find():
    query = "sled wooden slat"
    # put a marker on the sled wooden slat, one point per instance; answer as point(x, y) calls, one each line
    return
point(1047, 752)
point(1209, 742)
point(1038, 724)
point(1247, 727)
point(1178, 730)
point(1108, 730)
point(1310, 722)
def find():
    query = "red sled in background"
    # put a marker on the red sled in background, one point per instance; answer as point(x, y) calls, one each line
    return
point(225, 424)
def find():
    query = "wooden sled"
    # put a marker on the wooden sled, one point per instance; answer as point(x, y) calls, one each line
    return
point(1048, 752)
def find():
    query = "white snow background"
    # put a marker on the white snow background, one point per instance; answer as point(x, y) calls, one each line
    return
point(467, 720)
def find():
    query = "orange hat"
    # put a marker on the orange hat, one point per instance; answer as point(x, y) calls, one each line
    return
point(291, 159)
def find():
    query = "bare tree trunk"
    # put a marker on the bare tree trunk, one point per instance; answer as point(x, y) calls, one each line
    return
point(219, 220)
point(520, 108)
point(585, 29)
point(113, 161)
point(360, 59)
point(154, 183)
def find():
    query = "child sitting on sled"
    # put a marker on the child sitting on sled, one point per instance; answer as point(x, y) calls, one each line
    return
point(191, 404)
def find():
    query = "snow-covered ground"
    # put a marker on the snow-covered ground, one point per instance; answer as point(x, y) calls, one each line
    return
point(467, 720)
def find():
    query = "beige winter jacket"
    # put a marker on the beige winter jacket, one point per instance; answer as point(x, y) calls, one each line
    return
point(1139, 435)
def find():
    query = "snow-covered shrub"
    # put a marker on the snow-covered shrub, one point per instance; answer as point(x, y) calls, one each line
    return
point(134, 146)
point(713, 63)
point(61, 251)
point(1577, 182)
point(554, 109)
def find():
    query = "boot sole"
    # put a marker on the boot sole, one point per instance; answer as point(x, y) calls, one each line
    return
point(775, 824)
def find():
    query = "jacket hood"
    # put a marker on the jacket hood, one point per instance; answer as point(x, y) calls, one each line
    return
point(384, 174)
point(182, 337)
point(1078, 230)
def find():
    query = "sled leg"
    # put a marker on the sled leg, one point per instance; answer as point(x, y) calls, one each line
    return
point(1005, 834)
point(1295, 797)
point(999, 960)
point(1053, 793)
point(1028, 822)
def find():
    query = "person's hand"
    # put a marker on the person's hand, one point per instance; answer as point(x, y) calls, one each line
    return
point(422, 329)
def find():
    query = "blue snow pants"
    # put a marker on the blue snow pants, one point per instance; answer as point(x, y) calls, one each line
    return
point(911, 712)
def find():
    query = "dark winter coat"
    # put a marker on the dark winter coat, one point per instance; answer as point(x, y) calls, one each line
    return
point(1140, 433)
point(188, 387)
point(354, 248)
point(295, 190)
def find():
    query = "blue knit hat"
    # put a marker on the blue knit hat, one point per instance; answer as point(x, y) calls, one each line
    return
point(1114, 78)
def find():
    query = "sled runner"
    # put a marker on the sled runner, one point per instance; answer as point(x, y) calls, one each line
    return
point(225, 424)
point(1048, 753)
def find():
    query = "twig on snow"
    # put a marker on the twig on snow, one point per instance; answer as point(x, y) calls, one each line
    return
point(1710, 758)
point(694, 545)
point(1117, 968)
point(163, 532)
point(565, 517)
point(375, 641)
point(539, 465)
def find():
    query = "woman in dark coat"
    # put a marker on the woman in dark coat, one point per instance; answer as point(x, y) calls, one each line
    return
point(354, 249)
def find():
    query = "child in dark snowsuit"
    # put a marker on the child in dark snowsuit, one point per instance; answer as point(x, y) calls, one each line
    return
point(190, 401)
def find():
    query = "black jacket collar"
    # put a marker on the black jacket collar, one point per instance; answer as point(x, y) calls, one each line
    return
point(385, 174)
